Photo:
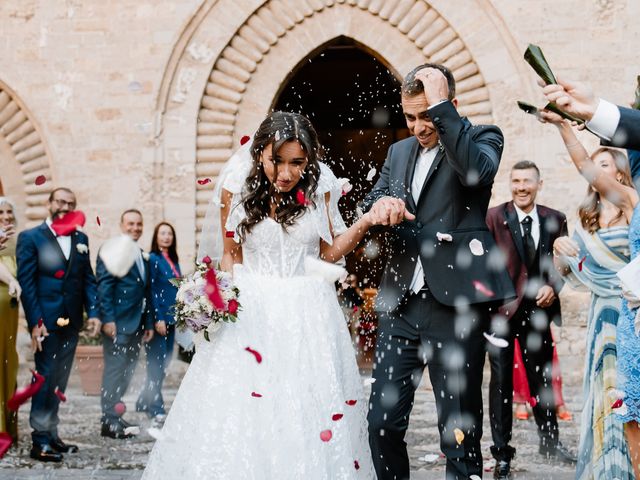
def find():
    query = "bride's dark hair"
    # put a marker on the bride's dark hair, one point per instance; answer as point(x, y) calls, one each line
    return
point(276, 130)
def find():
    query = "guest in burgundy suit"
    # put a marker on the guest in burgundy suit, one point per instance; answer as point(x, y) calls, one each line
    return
point(525, 233)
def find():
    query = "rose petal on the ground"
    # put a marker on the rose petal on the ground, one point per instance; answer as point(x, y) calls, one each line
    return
point(255, 353)
point(326, 435)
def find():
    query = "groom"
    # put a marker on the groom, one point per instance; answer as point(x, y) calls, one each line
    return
point(442, 278)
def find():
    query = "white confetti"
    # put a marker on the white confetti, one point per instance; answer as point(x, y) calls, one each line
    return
point(371, 174)
point(476, 247)
point(444, 237)
point(498, 342)
point(369, 381)
point(430, 458)
point(474, 477)
point(118, 255)
point(346, 185)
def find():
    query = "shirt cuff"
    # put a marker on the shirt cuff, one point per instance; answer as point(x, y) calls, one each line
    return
point(605, 120)
point(436, 104)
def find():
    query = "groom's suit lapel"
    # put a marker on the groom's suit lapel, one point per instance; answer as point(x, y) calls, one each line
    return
point(410, 161)
point(432, 171)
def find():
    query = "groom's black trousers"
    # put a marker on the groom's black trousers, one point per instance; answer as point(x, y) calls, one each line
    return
point(423, 332)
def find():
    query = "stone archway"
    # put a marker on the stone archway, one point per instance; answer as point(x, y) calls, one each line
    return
point(232, 57)
point(24, 157)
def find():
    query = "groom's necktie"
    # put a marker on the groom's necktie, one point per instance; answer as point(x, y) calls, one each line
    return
point(529, 244)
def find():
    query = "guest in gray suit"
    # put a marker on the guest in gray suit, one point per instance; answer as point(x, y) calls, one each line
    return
point(127, 321)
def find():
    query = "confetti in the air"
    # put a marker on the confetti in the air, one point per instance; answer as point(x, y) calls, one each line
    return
point(617, 404)
point(229, 234)
point(69, 223)
point(480, 287)
point(431, 458)
point(98, 221)
point(336, 416)
point(255, 353)
point(59, 274)
point(581, 262)
point(498, 342)
point(326, 435)
point(459, 434)
point(256, 395)
point(40, 180)
point(120, 408)
point(301, 198)
point(444, 237)
point(61, 396)
point(351, 403)
point(476, 247)
point(204, 181)
point(21, 395)
point(62, 322)
point(371, 174)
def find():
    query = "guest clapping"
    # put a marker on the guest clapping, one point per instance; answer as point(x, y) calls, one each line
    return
point(9, 295)
point(163, 263)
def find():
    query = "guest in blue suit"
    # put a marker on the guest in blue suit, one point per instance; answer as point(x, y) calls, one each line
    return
point(163, 262)
point(127, 321)
point(57, 283)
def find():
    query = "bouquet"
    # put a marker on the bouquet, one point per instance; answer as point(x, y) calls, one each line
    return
point(205, 298)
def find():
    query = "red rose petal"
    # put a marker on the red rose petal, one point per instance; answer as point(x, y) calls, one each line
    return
point(21, 395)
point(229, 234)
point(40, 322)
point(256, 395)
point(213, 290)
point(326, 435)
point(98, 221)
point(336, 417)
point(40, 180)
point(533, 402)
point(617, 404)
point(351, 403)
point(120, 408)
point(68, 224)
point(301, 199)
point(204, 181)
point(206, 260)
point(232, 307)
point(244, 139)
point(356, 465)
point(480, 287)
point(355, 308)
point(581, 262)
point(59, 274)
point(61, 396)
point(255, 353)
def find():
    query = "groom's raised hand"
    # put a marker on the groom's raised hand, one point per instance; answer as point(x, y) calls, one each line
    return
point(389, 211)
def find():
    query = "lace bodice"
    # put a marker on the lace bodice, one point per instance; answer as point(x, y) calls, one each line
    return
point(271, 250)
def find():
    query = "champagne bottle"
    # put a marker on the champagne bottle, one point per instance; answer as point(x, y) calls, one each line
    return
point(534, 57)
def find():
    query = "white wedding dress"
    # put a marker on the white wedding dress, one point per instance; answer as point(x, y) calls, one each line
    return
point(218, 427)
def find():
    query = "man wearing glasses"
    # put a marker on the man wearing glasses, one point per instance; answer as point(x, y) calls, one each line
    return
point(58, 282)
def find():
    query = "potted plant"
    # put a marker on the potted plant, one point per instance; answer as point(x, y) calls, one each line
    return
point(89, 360)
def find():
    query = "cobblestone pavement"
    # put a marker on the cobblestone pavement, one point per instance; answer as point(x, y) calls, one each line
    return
point(107, 459)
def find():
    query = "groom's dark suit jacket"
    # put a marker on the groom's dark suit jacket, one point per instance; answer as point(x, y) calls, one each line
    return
point(627, 134)
point(453, 201)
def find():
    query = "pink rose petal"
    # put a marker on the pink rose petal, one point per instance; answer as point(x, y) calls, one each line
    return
point(256, 395)
point(480, 287)
point(204, 181)
point(326, 435)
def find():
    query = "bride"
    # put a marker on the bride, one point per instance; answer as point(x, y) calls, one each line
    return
point(299, 413)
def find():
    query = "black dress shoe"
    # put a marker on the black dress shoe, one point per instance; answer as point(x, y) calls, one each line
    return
point(116, 430)
point(126, 424)
point(502, 470)
point(61, 447)
point(45, 453)
point(559, 454)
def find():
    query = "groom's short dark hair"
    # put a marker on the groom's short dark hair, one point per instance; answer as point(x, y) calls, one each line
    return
point(412, 87)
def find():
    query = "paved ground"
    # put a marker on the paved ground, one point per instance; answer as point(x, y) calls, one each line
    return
point(107, 459)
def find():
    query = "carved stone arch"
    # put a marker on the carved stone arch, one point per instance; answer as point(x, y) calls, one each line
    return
point(232, 56)
point(24, 156)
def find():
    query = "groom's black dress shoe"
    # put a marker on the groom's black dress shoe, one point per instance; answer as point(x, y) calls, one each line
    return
point(115, 430)
point(559, 454)
point(45, 453)
point(59, 446)
point(502, 470)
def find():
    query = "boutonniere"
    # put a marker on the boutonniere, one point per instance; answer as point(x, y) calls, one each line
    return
point(82, 248)
point(145, 256)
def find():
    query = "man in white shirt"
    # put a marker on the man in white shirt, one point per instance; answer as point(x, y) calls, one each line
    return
point(616, 126)
point(57, 283)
